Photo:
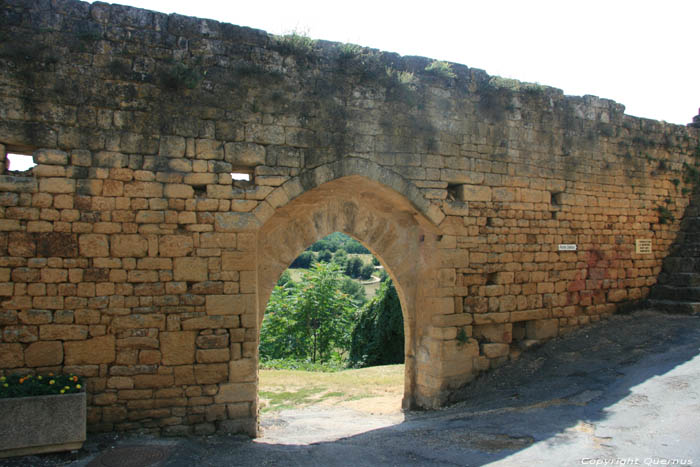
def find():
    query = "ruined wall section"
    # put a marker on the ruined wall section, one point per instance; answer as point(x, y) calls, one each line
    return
point(129, 254)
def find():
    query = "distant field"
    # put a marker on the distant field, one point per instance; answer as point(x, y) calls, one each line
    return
point(370, 289)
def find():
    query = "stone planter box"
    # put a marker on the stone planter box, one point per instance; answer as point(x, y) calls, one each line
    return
point(32, 425)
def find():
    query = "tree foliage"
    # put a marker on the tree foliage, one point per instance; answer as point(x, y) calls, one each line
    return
point(311, 321)
point(304, 260)
point(378, 337)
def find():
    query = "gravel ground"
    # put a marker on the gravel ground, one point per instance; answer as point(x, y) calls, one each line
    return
point(625, 391)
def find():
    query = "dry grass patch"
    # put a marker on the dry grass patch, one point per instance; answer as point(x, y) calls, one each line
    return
point(377, 389)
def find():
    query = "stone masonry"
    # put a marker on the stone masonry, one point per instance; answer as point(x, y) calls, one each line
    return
point(129, 255)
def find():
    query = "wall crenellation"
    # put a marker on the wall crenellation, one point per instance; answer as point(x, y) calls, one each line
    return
point(130, 256)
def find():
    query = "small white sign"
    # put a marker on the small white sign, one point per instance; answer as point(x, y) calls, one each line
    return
point(567, 247)
point(643, 246)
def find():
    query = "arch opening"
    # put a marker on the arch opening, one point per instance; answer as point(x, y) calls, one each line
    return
point(383, 221)
point(333, 332)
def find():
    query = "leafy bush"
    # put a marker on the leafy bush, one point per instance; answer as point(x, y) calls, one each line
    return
point(439, 68)
point(41, 385)
point(285, 279)
point(296, 43)
point(354, 291)
point(366, 272)
point(302, 365)
point(378, 337)
point(325, 256)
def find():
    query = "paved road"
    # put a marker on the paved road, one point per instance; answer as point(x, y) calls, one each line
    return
point(626, 390)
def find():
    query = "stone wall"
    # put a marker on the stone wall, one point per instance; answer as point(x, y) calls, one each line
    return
point(131, 257)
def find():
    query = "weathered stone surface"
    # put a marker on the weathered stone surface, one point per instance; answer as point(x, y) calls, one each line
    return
point(175, 245)
point(245, 369)
point(93, 245)
point(235, 392)
point(190, 269)
point(178, 347)
point(134, 246)
point(11, 355)
point(44, 353)
point(211, 373)
point(92, 351)
point(542, 328)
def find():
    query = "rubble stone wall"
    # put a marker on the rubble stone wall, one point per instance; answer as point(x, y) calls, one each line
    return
point(128, 254)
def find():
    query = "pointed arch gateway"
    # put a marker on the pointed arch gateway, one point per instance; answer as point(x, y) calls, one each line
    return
point(394, 229)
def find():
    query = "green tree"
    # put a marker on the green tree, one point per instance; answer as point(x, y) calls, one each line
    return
point(378, 337)
point(325, 256)
point(310, 321)
point(354, 290)
point(366, 272)
point(353, 267)
point(304, 260)
point(341, 258)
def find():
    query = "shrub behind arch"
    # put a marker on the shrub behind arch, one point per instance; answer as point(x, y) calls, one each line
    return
point(378, 337)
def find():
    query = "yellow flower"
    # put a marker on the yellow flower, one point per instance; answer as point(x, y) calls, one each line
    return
point(62, 391)
point(52, 382)
point(78, 386)
point(66, 387)
point(5, 385)
point(2, 378)
point(39, 377)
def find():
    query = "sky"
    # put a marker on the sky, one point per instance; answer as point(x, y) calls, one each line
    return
point(640, 53)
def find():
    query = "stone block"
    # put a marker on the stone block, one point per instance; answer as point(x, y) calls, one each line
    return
point(178, 190)
point(212, 341)
point(211, 373)
point(235, 221)
point(177, 347)
point(11, 355)
point(93, 245)
point(175, 245)
point(190, 269)
point(244, 154)
point(474, 193)
point(139, 321)
point(64, 332)
point(57, 185)
point(153, 381)
point(57, 244)
point(51, 157)
point(495, 350)
point(92, 351)
point(21, 244)
point(497, 333)
point(213, 355)
point(238, 261)
point(243, 370)
point(236, 392)
point(542, 328)
point(210, 322)
point(230, 304)
point(129, 245)
point(44, 353)
point(458, 319)
point(139, 189)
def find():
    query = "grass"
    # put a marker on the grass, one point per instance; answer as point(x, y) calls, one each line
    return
point(286, 389)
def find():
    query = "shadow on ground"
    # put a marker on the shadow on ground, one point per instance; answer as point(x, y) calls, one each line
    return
point(628, 387)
